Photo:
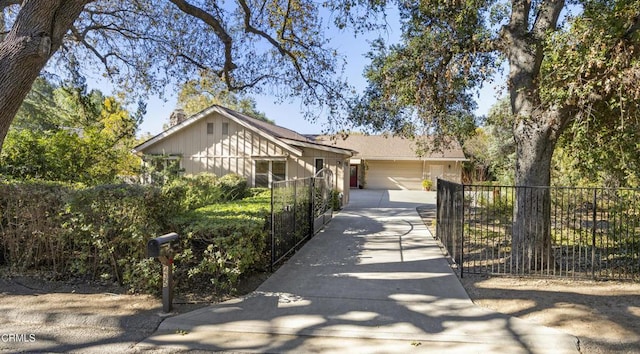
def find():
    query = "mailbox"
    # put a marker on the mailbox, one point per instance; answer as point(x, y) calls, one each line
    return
point(155, 245)
point(159, 247)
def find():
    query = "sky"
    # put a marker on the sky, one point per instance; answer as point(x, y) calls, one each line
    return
point(289, 114)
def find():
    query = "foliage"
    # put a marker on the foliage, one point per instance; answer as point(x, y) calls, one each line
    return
point(66, 134)
point(225, 240)
point(71, 230)
point(427, 184)
point(207, 90)
point(101, 231)
point(336, 200)
point(592, 66)
point(422, 85)
point(194, 191)
point(110, 225)
point(31, 225)
point(205, 189)
point(233, 187)
point(277, 48)
point(492, 150)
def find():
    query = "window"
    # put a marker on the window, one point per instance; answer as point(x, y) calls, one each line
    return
point(262, 174)
point(319, 165)
point(161, 167)
point(278, 170)
point(267, 172)
point(225, 129)
point(209, 128)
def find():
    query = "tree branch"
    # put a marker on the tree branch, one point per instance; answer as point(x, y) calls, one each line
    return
point(7, 3)
point(547, 17)
point(218, 29)
point(519, 21)
point(283, 51)
point(635, 26)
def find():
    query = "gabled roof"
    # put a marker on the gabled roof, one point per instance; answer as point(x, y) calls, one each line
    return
point(386, 147)
point(281, 136)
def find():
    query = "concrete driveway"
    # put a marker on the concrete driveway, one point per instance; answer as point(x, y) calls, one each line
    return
point(373, 281)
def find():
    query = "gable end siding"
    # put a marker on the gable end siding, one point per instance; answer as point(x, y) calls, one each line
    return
point(217, 153)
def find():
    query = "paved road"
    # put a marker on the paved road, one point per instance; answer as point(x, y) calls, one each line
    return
point(373, 281)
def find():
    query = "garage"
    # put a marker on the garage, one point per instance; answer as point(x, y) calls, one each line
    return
point(394, 175)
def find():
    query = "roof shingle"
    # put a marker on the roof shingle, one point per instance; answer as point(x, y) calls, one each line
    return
point(385, 147)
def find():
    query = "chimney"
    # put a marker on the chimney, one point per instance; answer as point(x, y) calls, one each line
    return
point(177, 117)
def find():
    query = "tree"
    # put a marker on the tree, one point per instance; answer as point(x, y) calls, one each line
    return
point(69, 134)
point(198, 94)
point(492, 148)
point(561, 71)
point(276, 46)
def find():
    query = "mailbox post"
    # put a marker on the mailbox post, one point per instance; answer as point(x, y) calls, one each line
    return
point(160, 247)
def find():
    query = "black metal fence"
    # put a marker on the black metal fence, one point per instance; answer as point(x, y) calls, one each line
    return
point(299, 208)
point(557, 231)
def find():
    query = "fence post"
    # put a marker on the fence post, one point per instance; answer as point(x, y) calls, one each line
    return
point(273, 228)
point(295, 207)
point(311, 217)
point(593, 234)
point(462, 237)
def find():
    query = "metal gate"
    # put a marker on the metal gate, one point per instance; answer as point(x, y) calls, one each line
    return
point(299, 209)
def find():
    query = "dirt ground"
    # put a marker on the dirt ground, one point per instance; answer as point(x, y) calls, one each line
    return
point(605, 316)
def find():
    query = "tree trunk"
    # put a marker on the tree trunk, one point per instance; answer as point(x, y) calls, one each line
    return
point(536, 129)
point(36, 35)
point(531, 233)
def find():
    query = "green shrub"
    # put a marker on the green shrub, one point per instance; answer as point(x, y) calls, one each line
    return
point(233, 187)
point(194, 191)
point(336, 199)
point(110, 226)
point(101, 232)
point(224, 241)
point(31, 218)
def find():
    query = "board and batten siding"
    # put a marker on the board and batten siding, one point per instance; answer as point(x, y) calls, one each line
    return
point(217, 153)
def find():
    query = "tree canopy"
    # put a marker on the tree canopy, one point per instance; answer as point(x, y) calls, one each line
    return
point(276, 47)
point(198, 94)
point(568, 63)
point(562, 71)
point(68, 134)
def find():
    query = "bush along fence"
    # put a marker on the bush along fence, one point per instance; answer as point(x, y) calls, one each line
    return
point(100, 232)
point(299, 208)
point(542, 231)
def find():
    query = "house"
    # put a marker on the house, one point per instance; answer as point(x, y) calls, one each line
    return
point(222, 141)
point(390, 162)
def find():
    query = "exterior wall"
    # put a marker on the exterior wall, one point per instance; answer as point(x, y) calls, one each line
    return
point(304, 166)
point(448, 170)
point(217, 153)
point(237, 151)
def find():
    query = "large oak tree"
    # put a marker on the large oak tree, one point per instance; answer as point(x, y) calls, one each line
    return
point(277, 46)
point(562, 71)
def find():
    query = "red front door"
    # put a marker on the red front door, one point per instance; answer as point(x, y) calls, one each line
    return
point(353, 176)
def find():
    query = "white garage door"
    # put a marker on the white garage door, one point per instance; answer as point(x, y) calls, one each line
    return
point(394, 175)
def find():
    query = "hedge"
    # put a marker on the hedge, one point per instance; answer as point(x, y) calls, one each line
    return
point(101, 232)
